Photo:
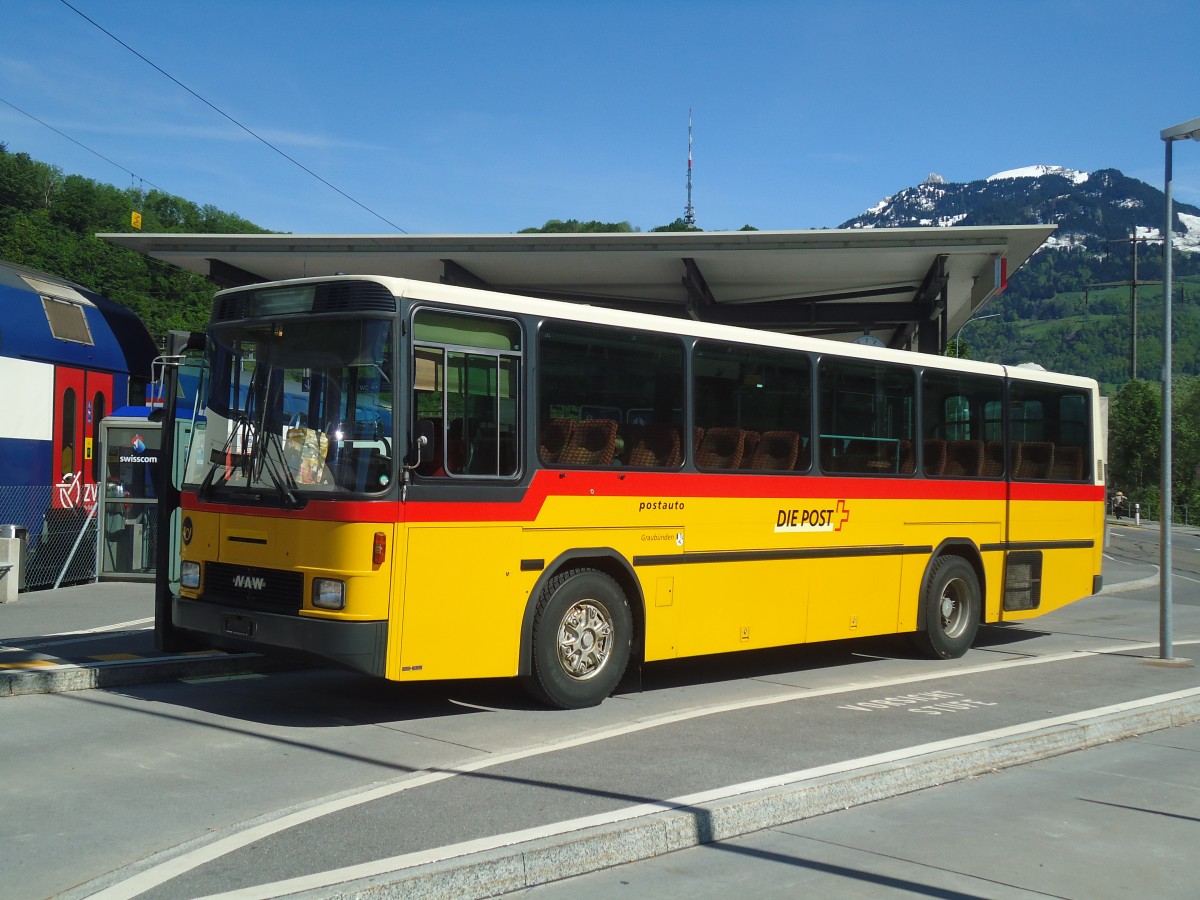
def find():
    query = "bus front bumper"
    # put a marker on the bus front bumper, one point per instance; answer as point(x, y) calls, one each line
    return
point(358, 645)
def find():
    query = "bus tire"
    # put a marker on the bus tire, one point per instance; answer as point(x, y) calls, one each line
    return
point(952, 609)
point(582, 637)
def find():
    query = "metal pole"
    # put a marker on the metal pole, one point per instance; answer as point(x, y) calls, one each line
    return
point(1133, 323)
point(1165, 638)
point(958, 334)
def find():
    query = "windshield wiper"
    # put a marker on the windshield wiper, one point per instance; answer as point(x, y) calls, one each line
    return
point(220, 457)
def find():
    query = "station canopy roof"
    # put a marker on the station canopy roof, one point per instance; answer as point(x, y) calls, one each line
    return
point(910, 288)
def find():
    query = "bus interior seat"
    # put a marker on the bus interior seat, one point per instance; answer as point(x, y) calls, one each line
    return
point(993, 460)
point(1036, 460)
point(1068, 464)
point(908, 458)
point(651, 445)
point(721, 448)
point(935, 456)
point(592, 443)
point(554, 436)
point(775, 450)
point(750, 440)
point(868, 456)
point(629, 437)
point(964, 459)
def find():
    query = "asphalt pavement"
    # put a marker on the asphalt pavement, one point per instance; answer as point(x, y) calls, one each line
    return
point(95, 635)
point(678, 783)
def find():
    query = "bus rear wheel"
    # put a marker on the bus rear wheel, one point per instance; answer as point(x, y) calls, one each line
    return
point(952, 607)
point(582, 635)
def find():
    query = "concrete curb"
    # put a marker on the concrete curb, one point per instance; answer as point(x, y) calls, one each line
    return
point(525, 865)
point(124, 673)
point(1149, 581)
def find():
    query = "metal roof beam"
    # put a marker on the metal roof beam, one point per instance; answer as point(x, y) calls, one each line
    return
point(858, 294)
point(230, 276)
point(795, 314)
point(931, 327)
point(459, 275)
point(700, 298)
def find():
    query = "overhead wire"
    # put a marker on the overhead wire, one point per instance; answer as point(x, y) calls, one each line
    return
point(80, 144)
point(226, 115)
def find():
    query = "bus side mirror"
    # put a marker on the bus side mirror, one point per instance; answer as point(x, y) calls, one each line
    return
point(424, 441)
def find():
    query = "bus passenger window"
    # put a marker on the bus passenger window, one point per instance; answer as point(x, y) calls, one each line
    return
point(753, 406)
point(961, 432)
point(867, 414)
point(1050, 431)
point(609, 397)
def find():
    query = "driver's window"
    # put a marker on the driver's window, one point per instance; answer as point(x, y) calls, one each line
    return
point(466, 375)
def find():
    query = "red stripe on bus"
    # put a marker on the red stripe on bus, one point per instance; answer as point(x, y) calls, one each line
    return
point(658, 486)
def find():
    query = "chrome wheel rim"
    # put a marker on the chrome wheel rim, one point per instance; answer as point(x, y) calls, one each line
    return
point(585, 640)
point(953, 608)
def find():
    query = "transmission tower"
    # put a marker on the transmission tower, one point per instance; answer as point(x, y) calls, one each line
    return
point(1133, 285)
point(689, 212)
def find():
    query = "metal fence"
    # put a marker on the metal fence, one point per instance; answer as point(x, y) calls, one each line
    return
point(61, 542)
point(1148, 510)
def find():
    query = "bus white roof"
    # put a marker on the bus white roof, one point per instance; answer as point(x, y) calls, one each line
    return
point(516, 304)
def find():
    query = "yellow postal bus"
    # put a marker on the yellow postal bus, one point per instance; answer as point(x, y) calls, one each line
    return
point(422, 481)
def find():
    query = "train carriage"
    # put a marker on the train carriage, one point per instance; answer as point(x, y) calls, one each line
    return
point(68, 358)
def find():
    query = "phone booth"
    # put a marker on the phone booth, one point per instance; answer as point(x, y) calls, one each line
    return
point(127, 503)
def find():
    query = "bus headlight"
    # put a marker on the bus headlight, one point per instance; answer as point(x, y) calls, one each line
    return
point(189, 574)
point(328, 593)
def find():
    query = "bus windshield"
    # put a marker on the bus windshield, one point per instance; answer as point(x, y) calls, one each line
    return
point(296, 408)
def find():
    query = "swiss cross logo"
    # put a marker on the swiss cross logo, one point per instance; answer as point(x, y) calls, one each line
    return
point(813, 518)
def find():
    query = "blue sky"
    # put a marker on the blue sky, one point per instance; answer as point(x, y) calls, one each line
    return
point(488, 117)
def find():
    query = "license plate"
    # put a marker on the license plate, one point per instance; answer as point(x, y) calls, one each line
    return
point(239, 626)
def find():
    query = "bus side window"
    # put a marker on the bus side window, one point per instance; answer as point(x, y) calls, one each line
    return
point(609, 397)
point(469, 395)
point(1051, 433)
point(961, 423)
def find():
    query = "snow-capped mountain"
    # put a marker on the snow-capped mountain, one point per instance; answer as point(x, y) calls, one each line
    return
point(1089, 208)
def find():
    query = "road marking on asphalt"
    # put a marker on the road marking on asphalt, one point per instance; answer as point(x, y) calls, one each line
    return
point(209, 679)
point(169, 869)
point(688, 802)
point(91, 634)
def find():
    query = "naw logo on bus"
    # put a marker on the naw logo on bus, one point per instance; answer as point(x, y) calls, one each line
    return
point(812, 518)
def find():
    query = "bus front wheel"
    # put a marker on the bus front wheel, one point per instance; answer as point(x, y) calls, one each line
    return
point(952, 609)
point(582, 634)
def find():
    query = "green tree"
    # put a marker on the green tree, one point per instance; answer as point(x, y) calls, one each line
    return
point(1185, 450)
point(575, 226)
point(48, 221)
point(677, 225)
point(1135, 439)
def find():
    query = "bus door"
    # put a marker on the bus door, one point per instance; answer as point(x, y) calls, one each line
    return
point(1054, 542)
point(81, 400)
